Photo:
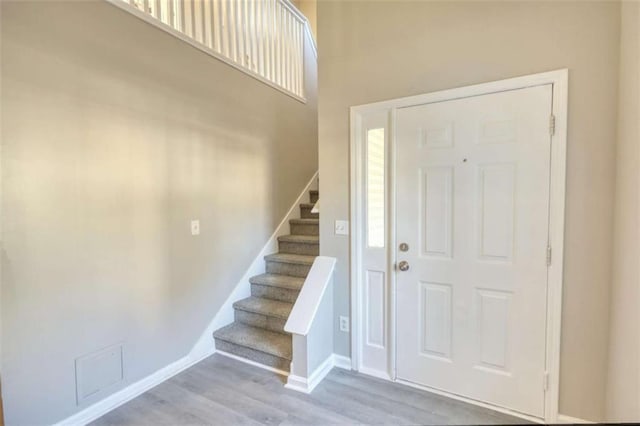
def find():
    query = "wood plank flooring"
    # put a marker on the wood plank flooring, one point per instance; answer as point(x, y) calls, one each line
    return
point(223, 391)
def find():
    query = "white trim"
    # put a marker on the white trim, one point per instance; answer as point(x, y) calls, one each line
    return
point(297, 383)
point(115, 400)
point(253, 363)
point(342, 361)
point(549, 77)
point(355, 234)
point(568, 420)
point(472, 401)
point(307, 385)
point(307, 27)
point(166, 28)
point(559, 79)
point(393, 242)
point(304, 385)
point(242, 289)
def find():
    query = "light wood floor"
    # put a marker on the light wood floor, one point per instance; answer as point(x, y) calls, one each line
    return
point(223, 391)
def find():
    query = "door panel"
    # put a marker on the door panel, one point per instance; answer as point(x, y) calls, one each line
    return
point(472, 199)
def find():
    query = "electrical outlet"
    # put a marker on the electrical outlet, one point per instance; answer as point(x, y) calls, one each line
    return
point(342, 227)
point(344, 324)
point(195, 227)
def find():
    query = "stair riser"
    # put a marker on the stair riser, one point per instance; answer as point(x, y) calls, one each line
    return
point(304, 229)
point(305, 213)
point(274, 293)
point(291, 269)
point(253, 355)
point(313, 197)
point(261, 321)
point(299, 248)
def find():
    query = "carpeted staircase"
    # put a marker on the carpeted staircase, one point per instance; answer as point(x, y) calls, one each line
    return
point(258, 331)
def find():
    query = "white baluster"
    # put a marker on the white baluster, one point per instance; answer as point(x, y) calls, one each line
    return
point(171, 14)
point(183, 20)
point(260, 36)
point(280, 45)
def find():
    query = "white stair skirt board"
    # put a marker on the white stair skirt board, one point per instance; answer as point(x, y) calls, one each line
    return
point(302, 384)
point(253, 363)
point(205, 345)
point(225, 315)
point(568, 420)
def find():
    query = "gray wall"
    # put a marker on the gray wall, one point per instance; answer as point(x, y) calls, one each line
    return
point(623, 386)
point(115, 135)
point(372, 51)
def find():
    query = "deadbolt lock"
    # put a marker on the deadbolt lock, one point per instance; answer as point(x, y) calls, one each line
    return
point(404, 247)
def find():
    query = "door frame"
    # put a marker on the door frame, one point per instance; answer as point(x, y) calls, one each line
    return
point(559, 79)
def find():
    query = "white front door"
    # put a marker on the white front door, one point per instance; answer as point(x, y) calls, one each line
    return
point(472, 200)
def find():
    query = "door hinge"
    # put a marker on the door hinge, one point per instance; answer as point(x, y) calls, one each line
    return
point(552, 125)
point(548, 255)
point(545, 381)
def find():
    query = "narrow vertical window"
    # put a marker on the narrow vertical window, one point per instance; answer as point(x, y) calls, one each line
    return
point(375, 181)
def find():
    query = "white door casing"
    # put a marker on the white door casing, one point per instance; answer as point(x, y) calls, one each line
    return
point(472, 203)
point(491, 173)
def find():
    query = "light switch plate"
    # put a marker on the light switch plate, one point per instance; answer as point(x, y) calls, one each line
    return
point(342, 227)
point(195, 227)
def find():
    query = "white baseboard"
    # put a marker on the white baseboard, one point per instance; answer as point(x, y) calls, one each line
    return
point(253, 363)
point(115, 400)
point(342, 361)
point(242, 289)
point(205, 346)
point(562, 419)
point(307, 385)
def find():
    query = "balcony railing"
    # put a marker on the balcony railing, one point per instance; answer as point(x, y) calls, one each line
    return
point(264, 38)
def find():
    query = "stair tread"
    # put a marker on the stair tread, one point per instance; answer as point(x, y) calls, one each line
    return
point(305, 221)
point(262, 306)
point(306, 239)
point(307, 205)
point(298, 259)
point(277, 280)
point(259, 339)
